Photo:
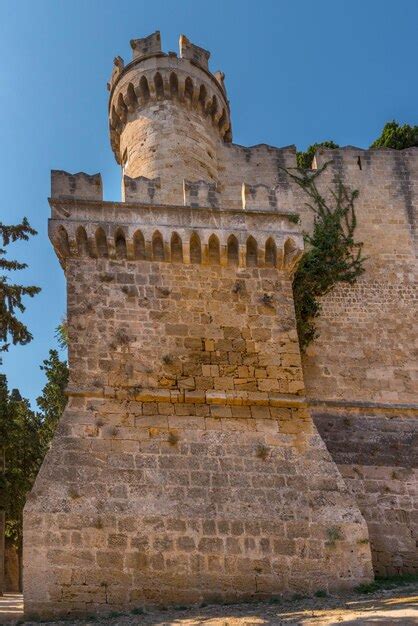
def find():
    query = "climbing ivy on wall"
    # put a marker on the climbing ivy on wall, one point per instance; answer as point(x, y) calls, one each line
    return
point(332, 254)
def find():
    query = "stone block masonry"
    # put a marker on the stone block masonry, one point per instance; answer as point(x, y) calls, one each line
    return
point(201, 458)
point(186, 467)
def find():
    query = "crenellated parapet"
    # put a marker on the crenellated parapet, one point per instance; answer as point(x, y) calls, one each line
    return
point(141, 189)
point(199, 193)
point(81, 185)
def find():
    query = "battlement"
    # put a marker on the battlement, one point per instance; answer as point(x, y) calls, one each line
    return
point(81, 185)
point(147, 46)
point(195, 193)
point(363, 159)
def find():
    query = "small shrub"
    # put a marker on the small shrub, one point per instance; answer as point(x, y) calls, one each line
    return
point(106, 278)
point(138, 611)
point(297, 596)
point(73, 493)
point(267, 299)
point(321, 593)
point(334, 534)
point(167, 359)
point(262, 451)
point(239, 287)
point(173, 438)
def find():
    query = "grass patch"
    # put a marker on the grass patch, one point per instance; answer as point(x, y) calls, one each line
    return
point(138, 611)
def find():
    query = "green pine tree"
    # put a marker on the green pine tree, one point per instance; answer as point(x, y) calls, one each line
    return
point(11, 294)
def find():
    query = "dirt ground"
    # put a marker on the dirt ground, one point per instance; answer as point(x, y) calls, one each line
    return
point(383, 608)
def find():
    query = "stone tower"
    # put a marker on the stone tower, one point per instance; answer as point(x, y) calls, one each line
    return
point(186, 466)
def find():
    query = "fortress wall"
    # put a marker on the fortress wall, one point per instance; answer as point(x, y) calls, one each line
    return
point(186, 467)
point(367, 332)
point(376, 453)
point(257, 165)
point(365, 361)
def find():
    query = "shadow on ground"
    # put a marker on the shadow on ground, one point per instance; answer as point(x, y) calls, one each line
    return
point(383, 608)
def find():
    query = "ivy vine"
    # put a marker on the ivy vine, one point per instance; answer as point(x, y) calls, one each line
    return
point(332, 254)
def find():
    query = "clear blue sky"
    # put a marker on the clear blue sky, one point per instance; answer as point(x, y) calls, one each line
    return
point(296, 72)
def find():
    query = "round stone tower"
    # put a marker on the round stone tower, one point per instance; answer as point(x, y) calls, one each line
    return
point(167, 115)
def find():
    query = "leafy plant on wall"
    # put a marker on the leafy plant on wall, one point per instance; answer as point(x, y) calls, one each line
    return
point(332, 254)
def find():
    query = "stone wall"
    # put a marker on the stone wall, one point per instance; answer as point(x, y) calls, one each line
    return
point(186, 455)
point(376, 451)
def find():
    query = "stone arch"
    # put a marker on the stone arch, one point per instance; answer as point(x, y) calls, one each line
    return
point(121, 108)
point(213, 106)
point(195, 249)
point(159, 85)
point(120, 244)
point(62, 241)
point(157, 246)
point(202, 96)
point(114, 118)
point(214, 252)
point(188, 89)
point(82, 241)
point(232, 250)
point(222, 120)
point(139, 246)
point(144, 89)
point(271, 253)
point(290, 251)
point(252, 252)
point(130, 98)
point(176, 248)
point(174, 84)
point(101, 243)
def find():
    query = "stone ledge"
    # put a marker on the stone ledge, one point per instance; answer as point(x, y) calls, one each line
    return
point(241, 398)
point(359, 404)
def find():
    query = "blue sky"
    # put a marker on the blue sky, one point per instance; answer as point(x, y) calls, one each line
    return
point(296, 72)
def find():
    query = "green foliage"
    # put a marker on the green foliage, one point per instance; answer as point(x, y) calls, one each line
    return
point(332, 254)
point(11, 294)
point(61, 334)
point(53, 399)
point(25, 436)
point(22, 452)
point(398, 137)
point(304, 159)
